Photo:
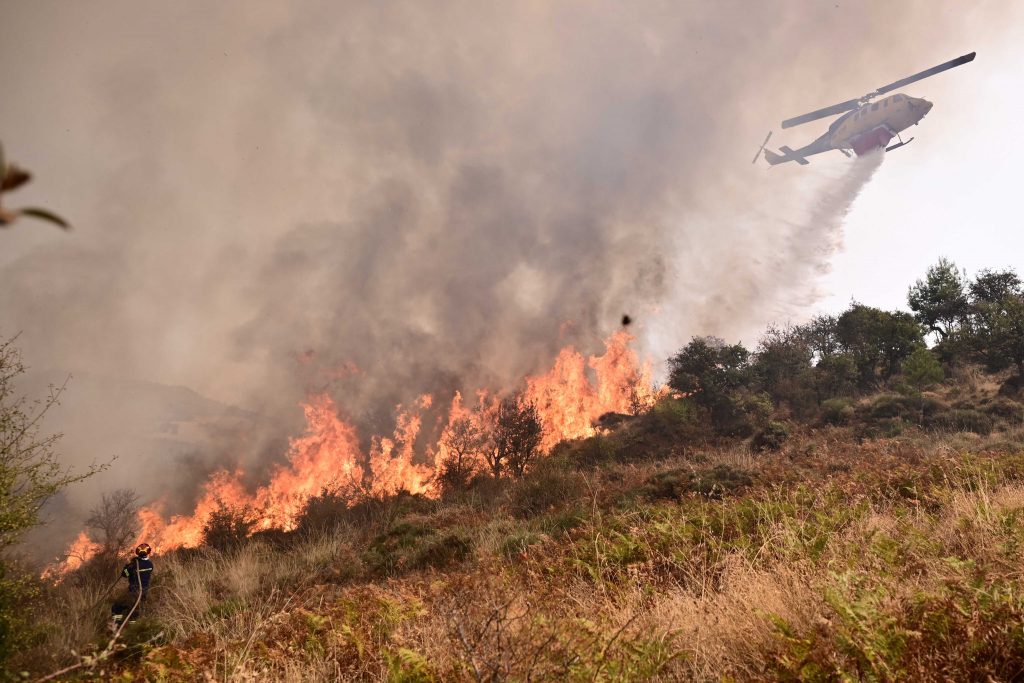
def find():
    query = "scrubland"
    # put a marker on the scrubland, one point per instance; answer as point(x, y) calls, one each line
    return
point(882, 540)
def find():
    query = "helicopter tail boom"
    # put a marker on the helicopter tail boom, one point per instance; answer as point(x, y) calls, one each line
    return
point(787, 155)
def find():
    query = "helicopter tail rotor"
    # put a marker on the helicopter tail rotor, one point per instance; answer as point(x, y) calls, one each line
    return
point(761, 148)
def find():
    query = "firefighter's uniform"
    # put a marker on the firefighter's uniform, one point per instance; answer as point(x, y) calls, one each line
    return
point(138, 571)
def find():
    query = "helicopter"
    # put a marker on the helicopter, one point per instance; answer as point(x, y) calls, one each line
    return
point(868, 124)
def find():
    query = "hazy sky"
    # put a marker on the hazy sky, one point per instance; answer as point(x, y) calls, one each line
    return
point(444, 193)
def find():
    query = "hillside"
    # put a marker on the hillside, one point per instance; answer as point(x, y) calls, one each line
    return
point(879, 539)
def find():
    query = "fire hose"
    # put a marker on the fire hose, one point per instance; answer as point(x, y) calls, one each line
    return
point(109, 649)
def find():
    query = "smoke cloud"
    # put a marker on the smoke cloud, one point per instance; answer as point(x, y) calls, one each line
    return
point(386, 199)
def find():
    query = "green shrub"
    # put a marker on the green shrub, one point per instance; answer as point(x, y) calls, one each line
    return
point(837, 411)
point(138, 639)
point(547, 487)
point(1005, 409)
point(442, 550)
point(770, 438)
point(371, 511)
point(519, 541)
point(960, 421)
point(18, 590)
point(891, 405)
point(969, 630)
point(671, 484)
point(561, 522)
point(660, 432)
point(589, 452)
point(720, 481)
point(714, 483)
point(887, 428)
point(411, 545)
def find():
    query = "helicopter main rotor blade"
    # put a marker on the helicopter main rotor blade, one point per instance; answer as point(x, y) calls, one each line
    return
point(926, 73)
point(853, 104)
point(821, 113)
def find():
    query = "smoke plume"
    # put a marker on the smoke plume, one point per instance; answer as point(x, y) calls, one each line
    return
point(379, 200)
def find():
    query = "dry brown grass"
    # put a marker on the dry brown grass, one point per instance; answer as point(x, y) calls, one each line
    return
point(825, 557)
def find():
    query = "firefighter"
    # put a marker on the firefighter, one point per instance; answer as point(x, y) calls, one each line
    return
point(138, 571)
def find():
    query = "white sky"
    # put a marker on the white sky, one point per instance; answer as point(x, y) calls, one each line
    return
point(955, 191)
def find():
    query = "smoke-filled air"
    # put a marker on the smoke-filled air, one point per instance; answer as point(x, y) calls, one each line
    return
point(534, 340)
point(309, 238)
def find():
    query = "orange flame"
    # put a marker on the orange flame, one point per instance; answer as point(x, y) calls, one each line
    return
point(81, 550)
point(567, 401)
point(568, 398)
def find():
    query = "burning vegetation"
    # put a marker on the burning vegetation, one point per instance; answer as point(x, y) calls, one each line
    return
point(494, 435)
point(693, 534)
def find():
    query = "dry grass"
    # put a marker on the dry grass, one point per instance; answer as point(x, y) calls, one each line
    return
point(824, 568)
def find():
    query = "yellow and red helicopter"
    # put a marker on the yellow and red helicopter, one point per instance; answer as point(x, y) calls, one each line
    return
point(868, 123)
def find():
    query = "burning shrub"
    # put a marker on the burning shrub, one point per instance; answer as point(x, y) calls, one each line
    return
point(227, 527)
point(464, 443)
point(323, 511)
point(516, 439)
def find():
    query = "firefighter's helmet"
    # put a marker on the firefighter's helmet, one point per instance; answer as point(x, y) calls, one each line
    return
point(143, 550)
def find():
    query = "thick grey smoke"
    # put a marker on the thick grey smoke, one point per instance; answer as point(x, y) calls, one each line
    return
point(432, 195)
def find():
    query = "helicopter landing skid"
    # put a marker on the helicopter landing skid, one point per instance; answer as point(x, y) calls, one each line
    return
point(900, 144)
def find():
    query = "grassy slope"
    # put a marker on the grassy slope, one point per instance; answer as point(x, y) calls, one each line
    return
point(632, 556)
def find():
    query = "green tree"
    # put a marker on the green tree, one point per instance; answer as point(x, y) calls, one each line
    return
point(708, 369)
point(940, 299)
point(993, 286)
point(782, 366)
point(997, 321)
point(835, 372)
point(835, 375)
point(999, 334)
point(30, 474)
point(821, 336)
point(715, 374)
point(922, 369)
point(877, 340)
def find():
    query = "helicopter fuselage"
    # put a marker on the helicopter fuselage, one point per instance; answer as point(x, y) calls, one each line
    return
point(872, 125)
point(867, 123)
